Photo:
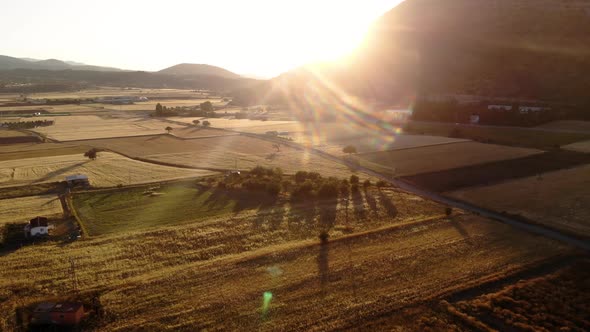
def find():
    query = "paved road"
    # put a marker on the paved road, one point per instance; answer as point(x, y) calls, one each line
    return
point(531, 228)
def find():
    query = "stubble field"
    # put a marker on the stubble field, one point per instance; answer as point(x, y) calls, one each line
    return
point(558, 199)
point(24, 208)
point(108, 170)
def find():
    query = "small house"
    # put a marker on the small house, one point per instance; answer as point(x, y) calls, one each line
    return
point(67, 313)
point(42, 313)
point(38, 226)
point(499, 107)
point(64, 313)
point(78, 179)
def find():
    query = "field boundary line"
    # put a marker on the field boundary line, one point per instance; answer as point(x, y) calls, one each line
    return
point(71, 207)
point(418, 147)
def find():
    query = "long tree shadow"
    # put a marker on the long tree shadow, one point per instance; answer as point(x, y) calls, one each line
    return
point(301, 219)
point(387, 203)
point(328, 210)
point(371, 201)
point(60, 171)
point(323, 262)
point(359, 205)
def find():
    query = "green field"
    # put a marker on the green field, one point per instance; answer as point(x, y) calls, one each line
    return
point(135, 209)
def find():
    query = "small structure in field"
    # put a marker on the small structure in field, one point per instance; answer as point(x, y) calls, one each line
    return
point(63, 313)
point(474, 119)
point(38, 226)
point(77, 180)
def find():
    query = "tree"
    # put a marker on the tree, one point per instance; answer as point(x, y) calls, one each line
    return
point(349, 149)
point(354, 179)
point(277, 146)
point(158, 108)
point(168, 129)
point(206, 123)
point(207, 106)
point(91, 154)
point(196, 122)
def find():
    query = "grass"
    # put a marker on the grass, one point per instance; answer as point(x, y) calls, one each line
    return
point(505, 136)
point(558, 199)
point(108, 170)
point(79, 127)
point(131, 210)
point(440, 157)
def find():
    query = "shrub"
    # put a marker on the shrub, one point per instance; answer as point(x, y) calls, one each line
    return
point(366, 183)
point(328, 189)
point(449, 211)
point(304, 190)
point(354, 180)
point(273, 189)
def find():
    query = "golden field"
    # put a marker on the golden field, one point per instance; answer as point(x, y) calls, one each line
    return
point(213, 274)
point(221, 153)
point(558, 199)
point(22, 209)
point(246, 125)
point(439, 157)
point(108, 170)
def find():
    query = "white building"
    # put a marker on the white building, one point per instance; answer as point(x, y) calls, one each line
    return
point(38, 226)
point(499, 107)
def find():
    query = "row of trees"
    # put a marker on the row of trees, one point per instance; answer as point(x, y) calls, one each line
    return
point(205, 109)
point(27, 124)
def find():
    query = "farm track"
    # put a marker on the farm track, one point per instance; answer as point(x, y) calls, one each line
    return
point(410, 188)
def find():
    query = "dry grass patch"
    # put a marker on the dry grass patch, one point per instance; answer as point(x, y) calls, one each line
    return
point(222, 153)
point(440, 157)
point(568, 125)
point(79, 127)
point(21, 210)
point(558, 199)
point(108, 170)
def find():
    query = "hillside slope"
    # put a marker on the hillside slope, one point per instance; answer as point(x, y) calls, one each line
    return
point(10, 63)
point(522, 49)
point(184, 69)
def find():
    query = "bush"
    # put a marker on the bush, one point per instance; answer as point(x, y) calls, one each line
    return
point(381, 184)
point(367, 183)
point(301, 176)
point(328, 189)
point(304, 190)
point(448, 211)
point(273, 189)
point(354, 180)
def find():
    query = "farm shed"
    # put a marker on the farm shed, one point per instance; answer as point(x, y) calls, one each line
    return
point(37, 226)
point(64, 313)
point(78, 179)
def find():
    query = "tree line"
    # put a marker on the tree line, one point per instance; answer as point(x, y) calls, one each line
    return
point(27, 124)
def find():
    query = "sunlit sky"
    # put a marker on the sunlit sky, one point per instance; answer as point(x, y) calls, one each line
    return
point(252, 37)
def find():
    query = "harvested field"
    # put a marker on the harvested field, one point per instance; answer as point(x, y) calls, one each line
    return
point(4, 133)
point(200, 132)
point(498, 171)
point(21, 210)
point(440, 157)
point(374, 143)
point(248, 126)
point(79, 127)
point(583, 147)
point(219, 271)
point(498, 135)
point(221, 153)
point(568, 125)
point(108, 170)
point(557, 199)
point(23, 151)
point(558, 301)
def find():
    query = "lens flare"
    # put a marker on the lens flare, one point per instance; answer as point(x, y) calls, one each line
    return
point(266, 298)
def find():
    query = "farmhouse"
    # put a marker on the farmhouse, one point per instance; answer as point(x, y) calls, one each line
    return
point(66, 313)
point(37, 226)
point(78, 179)
point(499, 107)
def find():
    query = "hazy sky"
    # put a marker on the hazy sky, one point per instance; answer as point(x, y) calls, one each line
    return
point(260, 37)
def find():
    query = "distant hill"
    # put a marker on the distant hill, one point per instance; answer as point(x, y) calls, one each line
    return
point(185, 69)
point(10, 63)
point(530, 49)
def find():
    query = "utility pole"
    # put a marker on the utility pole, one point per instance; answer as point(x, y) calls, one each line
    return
point(73, 277)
